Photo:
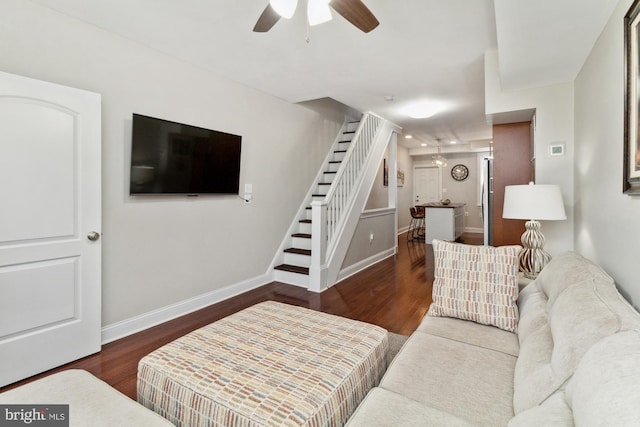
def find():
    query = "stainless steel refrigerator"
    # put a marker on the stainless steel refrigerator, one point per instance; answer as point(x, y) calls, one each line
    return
point(487, 199)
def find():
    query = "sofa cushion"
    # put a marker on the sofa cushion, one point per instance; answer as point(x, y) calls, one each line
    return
point(553, 342)
point(477, 283)
point(534, 378)
point(471, 333)
point(579, 318)
point(566, 269)
point(450, 376)
point(605, 389)
point(92, 402)
point(532, 308)
point(386, 408)
point(553, 412)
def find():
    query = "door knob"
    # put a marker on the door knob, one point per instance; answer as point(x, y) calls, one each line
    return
point(93, 236)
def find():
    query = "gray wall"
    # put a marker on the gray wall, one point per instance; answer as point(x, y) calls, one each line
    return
point(362, 248)
point(607, 229)
point(379, 196)
point(158, 251)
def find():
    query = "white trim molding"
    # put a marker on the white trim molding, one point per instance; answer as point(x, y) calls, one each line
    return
point(366, 263)
point(147, 320)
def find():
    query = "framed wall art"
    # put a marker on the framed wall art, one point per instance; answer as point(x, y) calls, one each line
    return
point(631, 157)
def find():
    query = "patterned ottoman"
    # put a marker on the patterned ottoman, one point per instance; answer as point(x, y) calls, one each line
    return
point(270, 364)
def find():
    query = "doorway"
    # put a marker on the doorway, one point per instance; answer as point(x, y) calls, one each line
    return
point(50, 226)
point(426, 184)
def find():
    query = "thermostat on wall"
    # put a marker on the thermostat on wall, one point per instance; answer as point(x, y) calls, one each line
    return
point(556, 149)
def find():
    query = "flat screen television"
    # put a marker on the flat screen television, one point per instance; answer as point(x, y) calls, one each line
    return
point(175, 158)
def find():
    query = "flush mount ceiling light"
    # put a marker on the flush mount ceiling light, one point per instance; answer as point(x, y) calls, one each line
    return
point(318, 12)
point(423, 110)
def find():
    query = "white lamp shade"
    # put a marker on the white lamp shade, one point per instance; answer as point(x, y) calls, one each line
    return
point(533, 202)
point(318, 12)
point(284, 8)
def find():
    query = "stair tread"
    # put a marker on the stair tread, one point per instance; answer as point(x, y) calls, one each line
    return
point(334, 172)
point(340, 151)
point(301, 235)
point(350, 131)
point(305, 221)
point(298, 251)
point(293, 269)
point(324, 183)
point(335, 161)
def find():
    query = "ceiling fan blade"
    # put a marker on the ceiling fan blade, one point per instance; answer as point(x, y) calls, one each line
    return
point(267, 20)
point(355, 12)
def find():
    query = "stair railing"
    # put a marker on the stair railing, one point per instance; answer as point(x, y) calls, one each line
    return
point(330, 214)
point(347, 177)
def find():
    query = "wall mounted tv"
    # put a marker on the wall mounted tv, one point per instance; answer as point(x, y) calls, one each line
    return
point(175, 158)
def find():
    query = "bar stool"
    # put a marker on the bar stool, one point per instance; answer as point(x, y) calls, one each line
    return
point(416, 225)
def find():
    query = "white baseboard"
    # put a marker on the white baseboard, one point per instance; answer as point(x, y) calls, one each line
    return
point(365, 263)
point(147, 320)
point(144, 321)
point(473, 230)
point(403, 230)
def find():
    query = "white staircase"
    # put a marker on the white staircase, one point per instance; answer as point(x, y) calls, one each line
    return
point(346, 175)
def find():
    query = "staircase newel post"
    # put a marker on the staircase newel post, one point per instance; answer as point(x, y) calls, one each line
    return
point(318, 268)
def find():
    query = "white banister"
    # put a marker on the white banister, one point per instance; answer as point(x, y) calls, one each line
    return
point(347, 177)
point(330, 215)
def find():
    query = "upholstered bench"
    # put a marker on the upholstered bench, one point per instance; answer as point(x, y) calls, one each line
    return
point(270, 364)
point(92, 402)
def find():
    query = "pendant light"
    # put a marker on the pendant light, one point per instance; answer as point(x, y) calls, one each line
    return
point(439, 160)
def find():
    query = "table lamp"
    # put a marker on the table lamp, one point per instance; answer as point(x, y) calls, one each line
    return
point(533, 202)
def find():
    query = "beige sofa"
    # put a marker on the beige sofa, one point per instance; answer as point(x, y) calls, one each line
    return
point(92, 402)
point(575, 360)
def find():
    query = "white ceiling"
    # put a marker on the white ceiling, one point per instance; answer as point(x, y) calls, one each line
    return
point(423, 50)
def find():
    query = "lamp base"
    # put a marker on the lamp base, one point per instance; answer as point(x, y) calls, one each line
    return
point(533, 258)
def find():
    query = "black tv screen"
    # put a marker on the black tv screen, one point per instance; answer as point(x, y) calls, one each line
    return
point(175, 158)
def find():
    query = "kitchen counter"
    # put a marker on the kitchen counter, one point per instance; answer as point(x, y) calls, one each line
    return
point(440, 205)
point(443, 222)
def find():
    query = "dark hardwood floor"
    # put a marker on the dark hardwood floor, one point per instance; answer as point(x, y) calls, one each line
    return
point(394, 294)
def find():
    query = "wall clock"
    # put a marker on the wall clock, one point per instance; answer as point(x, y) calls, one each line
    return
point(459, 172)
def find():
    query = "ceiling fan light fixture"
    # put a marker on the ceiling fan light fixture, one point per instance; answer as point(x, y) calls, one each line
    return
point(284, 8)
point(318, 12)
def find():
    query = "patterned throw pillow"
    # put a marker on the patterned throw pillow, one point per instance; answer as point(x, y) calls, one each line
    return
point(477, 283)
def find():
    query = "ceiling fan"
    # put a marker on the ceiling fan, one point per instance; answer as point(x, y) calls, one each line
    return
point(318, 12)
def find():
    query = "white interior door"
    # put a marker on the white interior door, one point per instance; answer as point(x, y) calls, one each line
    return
point(50, 223)
point(426, 184)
